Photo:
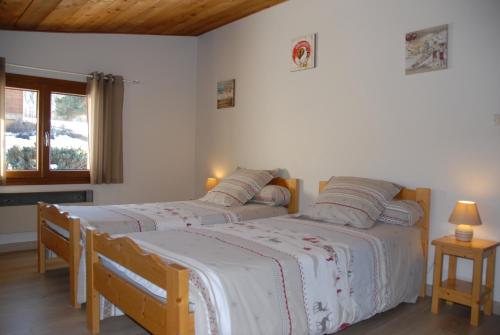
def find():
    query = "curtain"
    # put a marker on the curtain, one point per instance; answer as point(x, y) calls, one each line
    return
point(2, 120)
point(105, 97)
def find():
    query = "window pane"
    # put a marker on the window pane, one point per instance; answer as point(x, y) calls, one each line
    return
point(21, 129)
point(69, 130)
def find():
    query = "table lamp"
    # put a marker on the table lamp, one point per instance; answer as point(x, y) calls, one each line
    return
point(210, 183)
point(464, 215)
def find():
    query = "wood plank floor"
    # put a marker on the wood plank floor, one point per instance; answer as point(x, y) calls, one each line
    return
point(31, 303)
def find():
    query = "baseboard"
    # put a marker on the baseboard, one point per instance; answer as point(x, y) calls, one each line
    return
point(496, 304)
point(21, 246)
point(17, 242)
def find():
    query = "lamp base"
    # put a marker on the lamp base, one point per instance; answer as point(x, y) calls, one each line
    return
point(464, 233)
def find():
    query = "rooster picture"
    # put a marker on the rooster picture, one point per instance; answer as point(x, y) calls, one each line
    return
point(303, 53)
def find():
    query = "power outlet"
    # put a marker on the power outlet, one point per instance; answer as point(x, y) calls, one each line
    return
point(497, 120)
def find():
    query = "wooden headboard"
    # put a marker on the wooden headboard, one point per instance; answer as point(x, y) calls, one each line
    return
point(293, 186)
point(423, 197)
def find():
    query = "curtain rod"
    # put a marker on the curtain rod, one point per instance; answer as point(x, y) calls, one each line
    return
point(64, 72)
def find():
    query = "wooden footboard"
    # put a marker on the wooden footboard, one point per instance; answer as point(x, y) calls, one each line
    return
point(157, 316)
point(68, 249)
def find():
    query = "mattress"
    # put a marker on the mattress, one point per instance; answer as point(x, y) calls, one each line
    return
point(288, 275)
point(162, 216)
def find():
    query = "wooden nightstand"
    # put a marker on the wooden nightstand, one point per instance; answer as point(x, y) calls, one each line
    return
point(454, 290)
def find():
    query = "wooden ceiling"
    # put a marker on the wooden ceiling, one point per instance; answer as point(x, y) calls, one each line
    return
point(156, 17)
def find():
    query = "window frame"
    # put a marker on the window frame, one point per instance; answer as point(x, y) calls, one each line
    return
point(45, 87)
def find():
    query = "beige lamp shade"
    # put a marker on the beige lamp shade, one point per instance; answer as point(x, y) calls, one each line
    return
point(465, 213)
point(210, 183)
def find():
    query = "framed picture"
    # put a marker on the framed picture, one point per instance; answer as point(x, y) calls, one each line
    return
point(427, 50)
point(225, 94)
point(303, 53)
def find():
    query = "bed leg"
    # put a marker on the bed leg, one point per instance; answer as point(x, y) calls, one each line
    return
point(423, 287)
point(92, 294)
point(40, 245)
point(74, 262)
point(178, 301)
point(423, 197)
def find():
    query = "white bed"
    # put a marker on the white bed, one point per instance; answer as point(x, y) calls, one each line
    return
point(62, 229)
point(160, 216)
point(153, 217)
point(325, 277)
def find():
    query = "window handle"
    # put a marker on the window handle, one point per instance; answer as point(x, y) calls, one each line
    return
point(47, 138)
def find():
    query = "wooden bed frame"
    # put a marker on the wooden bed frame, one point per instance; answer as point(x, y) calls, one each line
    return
point(423, 197)
point(159, 317)
point(67, 249)
point(70, 249)
point(171, 317)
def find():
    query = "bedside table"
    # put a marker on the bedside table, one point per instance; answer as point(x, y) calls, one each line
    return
point(454, 290)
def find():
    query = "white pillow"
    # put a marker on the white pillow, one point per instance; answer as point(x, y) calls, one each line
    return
point(402, 212)
point(272, 195)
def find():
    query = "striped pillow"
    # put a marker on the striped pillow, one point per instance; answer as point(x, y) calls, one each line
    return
point(402, 212)
point(353, 201)
point(239, 187)
point(272, 195)
point(274, 172)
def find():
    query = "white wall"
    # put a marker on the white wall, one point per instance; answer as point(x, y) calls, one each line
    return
point(357, 113)
point(159, 113)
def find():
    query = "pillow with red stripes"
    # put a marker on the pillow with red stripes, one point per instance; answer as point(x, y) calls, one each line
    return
point(239, 187)
point(353, 201)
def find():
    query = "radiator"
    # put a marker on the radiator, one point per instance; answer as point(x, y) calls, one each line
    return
point(31, 198)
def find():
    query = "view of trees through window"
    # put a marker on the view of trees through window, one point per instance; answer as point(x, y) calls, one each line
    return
point(69, 132)
point(68, 135)
point(21, 129)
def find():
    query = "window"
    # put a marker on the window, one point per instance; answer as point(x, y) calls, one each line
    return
point(46, 131)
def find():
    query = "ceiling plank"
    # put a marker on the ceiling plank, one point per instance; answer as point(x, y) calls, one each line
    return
point(10, 11)
point(161, 17)
point(212, 22)
point(127, 14)
point(36, 12)
point(189, 15)
point(61, 14)
point(164, 11)
point(86, 15)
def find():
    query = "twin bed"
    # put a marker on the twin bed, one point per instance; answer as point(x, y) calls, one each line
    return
point(213, 280)
point(62, 229)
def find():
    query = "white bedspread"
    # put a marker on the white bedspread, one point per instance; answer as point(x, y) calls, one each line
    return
point(162, 216)
point(289, 275)
point(116, 219)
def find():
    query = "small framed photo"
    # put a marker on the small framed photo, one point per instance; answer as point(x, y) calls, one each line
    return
point(427, 50)
point(225, 94)
point(303, 53)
